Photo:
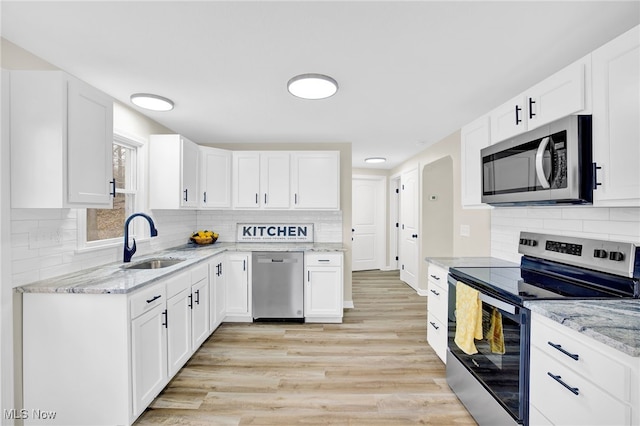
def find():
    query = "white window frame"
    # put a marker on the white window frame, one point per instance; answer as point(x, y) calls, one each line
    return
point(138, 146)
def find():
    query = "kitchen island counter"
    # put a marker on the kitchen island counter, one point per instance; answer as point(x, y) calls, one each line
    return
point(615, 323)
point(119, 278)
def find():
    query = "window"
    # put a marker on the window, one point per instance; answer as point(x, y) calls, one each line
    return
point(105, 226)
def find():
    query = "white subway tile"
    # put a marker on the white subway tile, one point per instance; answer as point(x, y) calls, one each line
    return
point(562, 225)
point(582, 212)
point(631, 214)
point(544, 213)
point(630, 229)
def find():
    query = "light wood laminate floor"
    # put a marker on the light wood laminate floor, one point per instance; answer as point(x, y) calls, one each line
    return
point(375, 368)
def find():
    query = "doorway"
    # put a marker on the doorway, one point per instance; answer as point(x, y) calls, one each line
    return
point(369, 222)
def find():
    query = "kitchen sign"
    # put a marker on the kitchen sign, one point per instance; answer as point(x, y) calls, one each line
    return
point(275, 232)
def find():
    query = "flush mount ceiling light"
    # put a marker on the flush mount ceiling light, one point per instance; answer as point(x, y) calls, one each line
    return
point(152, 102)
point(312, 86)
point(373, 160)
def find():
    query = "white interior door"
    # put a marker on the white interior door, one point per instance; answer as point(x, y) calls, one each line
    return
point(409, 214)
point(368, 222)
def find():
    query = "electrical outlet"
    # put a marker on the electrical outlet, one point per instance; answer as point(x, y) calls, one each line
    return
point(465, 230)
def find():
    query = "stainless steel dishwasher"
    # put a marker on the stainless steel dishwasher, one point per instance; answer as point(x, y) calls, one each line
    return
point(278, 286)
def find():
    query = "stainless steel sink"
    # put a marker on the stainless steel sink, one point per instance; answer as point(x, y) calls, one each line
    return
point(155, 263)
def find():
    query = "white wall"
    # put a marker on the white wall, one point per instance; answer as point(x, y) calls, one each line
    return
point(615, 224)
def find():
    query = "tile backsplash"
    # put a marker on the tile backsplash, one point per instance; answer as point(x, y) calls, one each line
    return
point(610, 223)
point(44, 241)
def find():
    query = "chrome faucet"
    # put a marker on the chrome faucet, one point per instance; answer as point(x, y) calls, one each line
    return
point(129, 251)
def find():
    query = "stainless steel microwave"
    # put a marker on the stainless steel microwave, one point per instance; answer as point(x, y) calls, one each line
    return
point(551, 164)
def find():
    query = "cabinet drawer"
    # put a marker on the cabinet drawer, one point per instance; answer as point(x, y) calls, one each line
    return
point(178, 283)
point(437, 301)
point(438, 275)
point(611, 375)
point(591, 405)
point(199, 273)
point(147, 299)
point(328, 259)
point(437, 336)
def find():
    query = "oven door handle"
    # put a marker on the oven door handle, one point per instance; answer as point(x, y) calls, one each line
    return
point(539, 166)
point(492, 301)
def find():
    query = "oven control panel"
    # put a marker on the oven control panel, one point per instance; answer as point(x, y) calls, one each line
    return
point(613, 257)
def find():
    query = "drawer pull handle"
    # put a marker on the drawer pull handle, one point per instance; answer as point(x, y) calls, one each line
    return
point(575, 391)
point(433, 324)
point(324, 260)
point(435, 277)
point(559, 347)
point(434, 292)
point(154, 298)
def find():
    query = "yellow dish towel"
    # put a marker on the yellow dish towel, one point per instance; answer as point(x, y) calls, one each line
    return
point(468, 318)
point(495, 335)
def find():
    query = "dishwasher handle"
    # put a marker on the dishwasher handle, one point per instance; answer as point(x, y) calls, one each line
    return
point(278, 260)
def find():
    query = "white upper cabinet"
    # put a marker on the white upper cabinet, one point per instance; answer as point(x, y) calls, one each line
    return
point(508, 120)
point(57, 117)
point(246, 180)
point(473, 137)
point(215, 178)
point(275, 177)
point(282, 180)
point(562, 94)
point(616, 108)
point(173, 172)
point(315, 183)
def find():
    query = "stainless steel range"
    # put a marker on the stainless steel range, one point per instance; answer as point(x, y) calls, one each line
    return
point(490, 374)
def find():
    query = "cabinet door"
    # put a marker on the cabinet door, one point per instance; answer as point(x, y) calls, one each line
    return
point(189, 172)
point(178, 330)
point(473, 138)
point(275, 179)
point(508, 119)
point(215, 178)
point(149, 356)
point(558, 96)
point(323, 291)
point(217, 292)
point(316, 180)
point(246, 180)
point(237, 285)
point(89, 145)
point(616, 108)
point(199, 313)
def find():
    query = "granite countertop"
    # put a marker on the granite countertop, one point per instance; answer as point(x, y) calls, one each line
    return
point(477, 262)
point(117, 278)
point(616, 323)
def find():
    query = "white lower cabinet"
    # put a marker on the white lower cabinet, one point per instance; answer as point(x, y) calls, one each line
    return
point(148, 346)
point(178, 321)
point(323, 291)
point(238, 287)
point(200, 307)
point(575, 380)
point(112, 353)
point(437, 308)
point(217, 291)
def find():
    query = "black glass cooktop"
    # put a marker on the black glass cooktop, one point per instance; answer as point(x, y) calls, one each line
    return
point(518, 284)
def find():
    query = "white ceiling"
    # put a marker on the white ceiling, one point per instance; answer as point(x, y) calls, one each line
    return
point(410, 73)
